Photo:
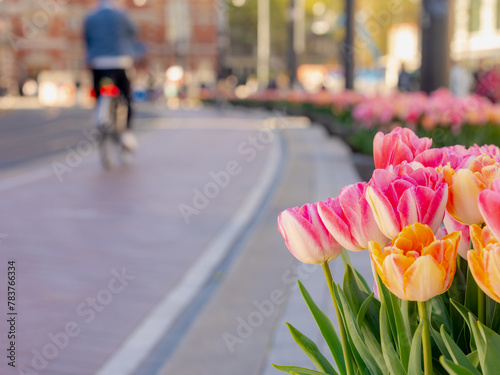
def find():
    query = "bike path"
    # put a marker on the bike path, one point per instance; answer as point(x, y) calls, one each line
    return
point(96, 250)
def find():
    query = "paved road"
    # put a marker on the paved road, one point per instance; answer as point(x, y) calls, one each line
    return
point(27, 135)
point(95, 251)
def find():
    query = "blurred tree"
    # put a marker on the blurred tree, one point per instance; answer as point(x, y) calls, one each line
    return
point(374, 19)
point(242, 31)
point(323, 28)
point(242, 27)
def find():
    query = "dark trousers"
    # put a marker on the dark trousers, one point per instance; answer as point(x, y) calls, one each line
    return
point(120, 79)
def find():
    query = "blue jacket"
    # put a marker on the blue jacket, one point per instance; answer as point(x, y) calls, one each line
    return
point(109, 32)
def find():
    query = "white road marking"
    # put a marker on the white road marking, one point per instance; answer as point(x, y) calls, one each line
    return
point(145, 337)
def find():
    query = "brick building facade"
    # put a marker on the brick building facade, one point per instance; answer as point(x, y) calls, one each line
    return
point(40, 35)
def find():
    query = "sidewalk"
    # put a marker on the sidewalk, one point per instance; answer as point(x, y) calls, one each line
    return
point(241, 330)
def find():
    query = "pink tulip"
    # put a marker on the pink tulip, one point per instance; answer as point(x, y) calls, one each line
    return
point(398, 200)
point(489, 150)
point(306, 236)
point(489, 205)
point(453, 225)
point(492, 151)
point(397, 146)
point(350, 220)
point(436, 157)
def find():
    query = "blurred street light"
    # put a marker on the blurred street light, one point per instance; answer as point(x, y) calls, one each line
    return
point(174, 73)
point(291, 55)
point(348, 47)
point(263, 42)
point(320, 27)
point(299, 41)
point(319, 8)
point(435, 44)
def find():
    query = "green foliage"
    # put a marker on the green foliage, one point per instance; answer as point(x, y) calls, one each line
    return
point(326, 328)
point(311, 350)
point(385, 336)
point(362, 141)
point(298, 370)
point(467, 135)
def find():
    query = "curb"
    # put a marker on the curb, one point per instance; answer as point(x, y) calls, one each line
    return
point(160, 320)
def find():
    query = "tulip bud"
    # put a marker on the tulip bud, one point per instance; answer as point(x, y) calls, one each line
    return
point(306, 236)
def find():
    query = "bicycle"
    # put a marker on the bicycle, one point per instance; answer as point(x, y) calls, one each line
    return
point(111, 120)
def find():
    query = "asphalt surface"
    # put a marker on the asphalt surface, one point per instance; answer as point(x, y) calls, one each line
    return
point(27, 135)
point(71, 234)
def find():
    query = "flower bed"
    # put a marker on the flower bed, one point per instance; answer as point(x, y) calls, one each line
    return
point(435, 307)
point(447, 119)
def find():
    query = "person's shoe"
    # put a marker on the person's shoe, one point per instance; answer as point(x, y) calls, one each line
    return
point(129, 141)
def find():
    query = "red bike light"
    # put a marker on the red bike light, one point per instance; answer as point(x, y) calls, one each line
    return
point(109, 90)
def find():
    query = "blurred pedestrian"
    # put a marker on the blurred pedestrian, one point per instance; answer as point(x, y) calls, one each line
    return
point(479, 72)
point(404, 79)
point(461, 80)
point(112, 47)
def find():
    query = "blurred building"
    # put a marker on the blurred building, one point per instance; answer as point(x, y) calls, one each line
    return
point(476, 33)
point(41, 35)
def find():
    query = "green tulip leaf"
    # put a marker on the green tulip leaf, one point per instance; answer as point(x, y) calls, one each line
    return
point(363, 285)
point(491, 361)
point(396, 323)
point(452, 368)
point(464, 312)
point(410, 316)
point(366, 347)
point(436, 336)
point(440, 314)
point(358, 363)
point(456, 354)
point(311, 350)
point(478, 338)
point(415, 363)
point(471, 294)
point(473, 358)
point(490, 307)
point(495, 321)
point(363, 309)
point(360, 280)
point(390, 356)
point(357, 298)
point(326, 328)
point(298, 370)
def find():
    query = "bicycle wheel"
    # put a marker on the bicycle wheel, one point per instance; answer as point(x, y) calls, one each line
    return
point(105, 150)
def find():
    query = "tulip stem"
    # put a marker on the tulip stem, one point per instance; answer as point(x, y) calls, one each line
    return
point(426, 337)
point(346, 350)
point(481, 304)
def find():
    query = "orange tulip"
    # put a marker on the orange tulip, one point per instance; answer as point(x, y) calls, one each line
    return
point(484, 261)
point(466, 184)
point(417, 266)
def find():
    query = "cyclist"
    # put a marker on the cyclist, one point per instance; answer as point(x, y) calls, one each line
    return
point(112, 46)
